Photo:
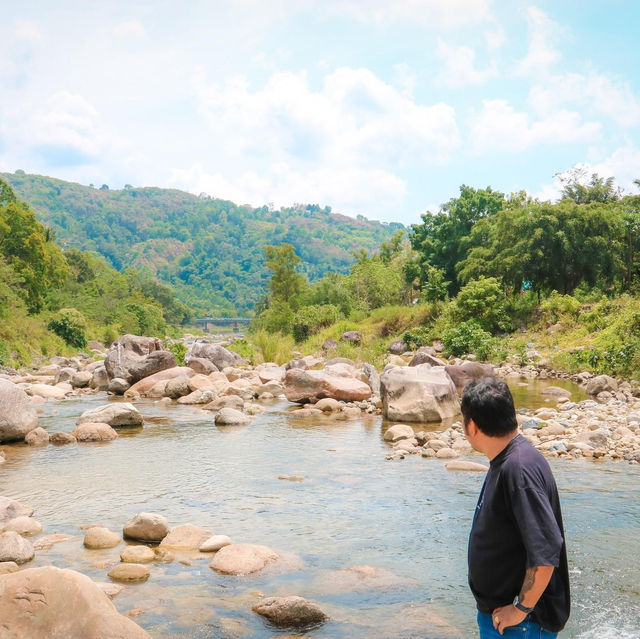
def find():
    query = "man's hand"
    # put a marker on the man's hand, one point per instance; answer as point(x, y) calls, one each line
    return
point(506, 616)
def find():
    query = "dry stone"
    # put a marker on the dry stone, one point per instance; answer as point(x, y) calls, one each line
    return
point(302, 386)
point(129, 573)
point(242, 559)
point(149, 527)
point(14, 547)
point(37, 437)
point(186, 537)
point(17, 415)
point(91, 432)
point(117, 415)
point(290, 611)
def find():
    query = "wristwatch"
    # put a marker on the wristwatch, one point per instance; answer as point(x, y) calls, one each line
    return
point(522, 607)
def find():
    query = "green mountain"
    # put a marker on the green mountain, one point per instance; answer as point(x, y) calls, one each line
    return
point(210, 250)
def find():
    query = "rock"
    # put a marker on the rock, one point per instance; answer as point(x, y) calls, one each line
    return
point(7, 567)
point(215, 353)
point(354, 337)
point(371, 377)
point(600, 384)
point(397, 432)
point(186, 536)
point(296, 363)
point(552, 430)
point(10, 509)
point(145, 385)
point(231, 417)
point(109, 589)
point(49, 392)
point(531, 423)
point(202, 382)
point(214, 543)
point(418, 394)
point(177, 387)
point(465, 465)
point(310, 386)
point(154, 362)
point(117, 415)
point(90, 432)
point(129, 352)
point(329, 345)
point(48, 541)
point(118, 386)
point(81, 379)
point(17, 415)
point(37, 437)
point(14, 547)
point(201, 365)
point(23, 525)
point(137, 555)
point(242, 559)
point(437, 444)
point(555, 391)
point(99, 379)
point(97, 538)
point(65, 375)
point(290, 611)
point(397, 347)
point(129, 573)
point(149, 527)
point(462, 374)
point(595, 438)
point(270, 372)
point(426, 355)
point(60, 438)
point(305, 413)
point(328, 404)
point(228, 401)
point(61, 604)
point(274, 388)
point(446, 453)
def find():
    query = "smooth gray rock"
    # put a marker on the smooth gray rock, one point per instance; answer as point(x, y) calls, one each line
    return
point(17, 414)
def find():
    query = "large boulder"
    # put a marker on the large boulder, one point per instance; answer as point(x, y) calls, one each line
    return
point(201, 365)
point(153, 363)
point(99, 379)
point(242, 559)
point(145, 385)
point(397, 347)
point(10, 509)
point(117, 415)
point(462, 374)
point(127, 356)
point(290, 611)
point(371, 377)
point(231, 417)
point(600, 384)
point(426, 355)
point(149, 527)
point(37, 437)
point(98, 537)
point(94, 432)
point(215, 353)
point(60, 604)
point(14, 547)
point(418, 394)
point(302, 386)
point(17, 414)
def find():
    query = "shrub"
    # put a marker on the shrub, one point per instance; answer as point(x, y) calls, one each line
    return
point(417, 337)
point(179, 350)
point(242, 348)
point(71, 326)
point(5, 354)
point(484, 301)
point(467, 337)
point(556, 305)
point(310, 319)
point(273, 347)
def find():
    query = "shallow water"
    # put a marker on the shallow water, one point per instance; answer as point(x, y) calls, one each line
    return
point(408, 517)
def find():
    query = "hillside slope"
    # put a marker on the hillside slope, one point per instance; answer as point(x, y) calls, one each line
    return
point(209, 249)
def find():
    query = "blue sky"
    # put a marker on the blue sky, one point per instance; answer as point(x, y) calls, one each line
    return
point(380, 108)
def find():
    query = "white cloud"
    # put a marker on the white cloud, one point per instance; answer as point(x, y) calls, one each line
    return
point(542, 33)
point(130, 29)
point(623, 164)
point(351, 190)
point(405, 79)
point(593, 92)
point(495, 38)
point(353, 119)
point(28, 31)
point(499, 127)
point(434, 13)
point(459, 66)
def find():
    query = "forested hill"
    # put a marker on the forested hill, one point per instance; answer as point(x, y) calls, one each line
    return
point(210, 250)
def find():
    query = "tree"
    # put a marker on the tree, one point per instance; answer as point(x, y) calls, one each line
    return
point(286, 283)
point(577, 186)
point(443, 239)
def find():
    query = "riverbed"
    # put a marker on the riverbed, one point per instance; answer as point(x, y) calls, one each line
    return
point(409, 518)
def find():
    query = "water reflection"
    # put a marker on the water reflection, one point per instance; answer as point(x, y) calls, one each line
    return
point(408, 519)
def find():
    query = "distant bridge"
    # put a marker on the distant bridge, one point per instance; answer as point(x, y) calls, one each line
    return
point(206, 322)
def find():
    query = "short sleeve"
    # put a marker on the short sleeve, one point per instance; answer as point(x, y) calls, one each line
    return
point(541, 534)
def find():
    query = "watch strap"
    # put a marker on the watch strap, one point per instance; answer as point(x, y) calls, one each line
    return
point(520, 606)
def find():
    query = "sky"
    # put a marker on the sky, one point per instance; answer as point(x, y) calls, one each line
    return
point(381, 108)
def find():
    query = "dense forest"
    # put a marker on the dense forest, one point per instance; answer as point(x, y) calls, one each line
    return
point(209, 250)
point(479, 273)
point(54, 300)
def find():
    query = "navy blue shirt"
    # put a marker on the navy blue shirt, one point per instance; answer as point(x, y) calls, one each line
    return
point(518, 525)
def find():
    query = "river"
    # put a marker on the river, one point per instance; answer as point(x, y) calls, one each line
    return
point(410, 518)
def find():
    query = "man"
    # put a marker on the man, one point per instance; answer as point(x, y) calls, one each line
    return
point(517, 556)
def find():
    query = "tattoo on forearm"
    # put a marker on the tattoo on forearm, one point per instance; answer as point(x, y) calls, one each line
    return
point(529, 580)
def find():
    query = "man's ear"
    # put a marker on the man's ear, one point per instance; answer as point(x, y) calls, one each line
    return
point(472, 427)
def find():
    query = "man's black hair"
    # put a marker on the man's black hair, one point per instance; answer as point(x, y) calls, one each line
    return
point(488, 401)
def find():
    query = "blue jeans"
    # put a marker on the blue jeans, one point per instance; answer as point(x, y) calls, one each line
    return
point(527, 629)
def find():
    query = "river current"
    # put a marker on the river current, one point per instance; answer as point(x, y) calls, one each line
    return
point(408, 518)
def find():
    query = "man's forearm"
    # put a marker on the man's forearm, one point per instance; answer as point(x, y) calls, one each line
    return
point(536, 579)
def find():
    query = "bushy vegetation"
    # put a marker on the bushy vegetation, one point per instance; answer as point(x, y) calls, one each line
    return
point(54, 301)
point(209, 250)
